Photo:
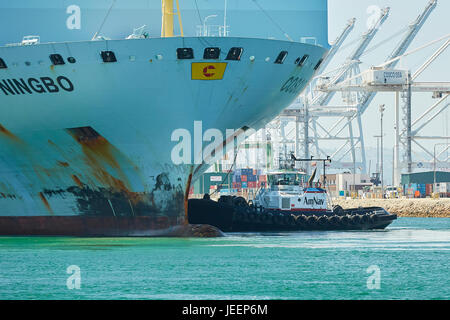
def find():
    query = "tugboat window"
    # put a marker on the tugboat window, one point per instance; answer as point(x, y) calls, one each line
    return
point(235, 54)
point(2, 64)
point(301, 62)
point(211, 53)
point(185, 53)
point(281, 57)
point(56, 59)
point(108, 56)
point(71, 59)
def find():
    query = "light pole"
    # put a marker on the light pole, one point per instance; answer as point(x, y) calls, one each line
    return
point(205, 32)
point(377, 167)
point(434, 163)
point(354, 172)
point(382, 108)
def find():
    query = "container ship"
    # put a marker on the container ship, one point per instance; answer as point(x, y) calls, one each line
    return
point(88, 114)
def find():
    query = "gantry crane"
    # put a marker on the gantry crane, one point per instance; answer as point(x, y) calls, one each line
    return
point(351, 112)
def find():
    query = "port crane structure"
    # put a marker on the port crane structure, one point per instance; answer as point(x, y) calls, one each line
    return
point(313, 106)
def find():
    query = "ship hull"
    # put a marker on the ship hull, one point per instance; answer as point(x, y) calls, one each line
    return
point(82, 226)
point(87, 147)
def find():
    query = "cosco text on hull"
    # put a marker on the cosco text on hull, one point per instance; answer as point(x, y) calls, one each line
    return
point(35, 85)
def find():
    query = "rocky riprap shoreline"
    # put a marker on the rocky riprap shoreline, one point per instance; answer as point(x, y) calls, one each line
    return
point(436, 208)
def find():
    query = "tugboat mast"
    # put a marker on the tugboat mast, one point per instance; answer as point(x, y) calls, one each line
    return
point(328, 159)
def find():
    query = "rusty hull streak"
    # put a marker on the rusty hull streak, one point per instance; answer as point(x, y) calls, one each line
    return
point(77, 181)
point(63, 164)
point(186, 196)
point(8, 134)
point(44, 200)
point(100, 157)
point(98, 151)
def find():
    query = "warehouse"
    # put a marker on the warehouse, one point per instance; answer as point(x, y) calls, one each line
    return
point(423, 184)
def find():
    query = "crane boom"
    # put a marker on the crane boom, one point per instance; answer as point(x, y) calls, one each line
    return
point(337, 45)
point(367, 37)
point(414, 28)
point(401, 48)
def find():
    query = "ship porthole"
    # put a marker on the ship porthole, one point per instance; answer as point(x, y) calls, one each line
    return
point(71, 59)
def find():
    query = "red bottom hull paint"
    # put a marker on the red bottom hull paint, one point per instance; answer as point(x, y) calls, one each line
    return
point(86, 226)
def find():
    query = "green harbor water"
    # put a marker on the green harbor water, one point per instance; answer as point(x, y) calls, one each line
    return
point(412, 257)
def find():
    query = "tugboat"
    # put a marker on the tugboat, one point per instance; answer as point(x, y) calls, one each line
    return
point(287, 204)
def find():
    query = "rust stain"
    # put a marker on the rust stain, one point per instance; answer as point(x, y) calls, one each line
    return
point(52, 67)
point(63, 164)
point(77, 181)
point(9, 134)
point(186, 196)
point(44, 200)
point(99, 153)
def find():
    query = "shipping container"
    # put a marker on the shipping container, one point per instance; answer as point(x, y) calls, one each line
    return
point(244, 185)
point(251, 184)
point(426, 177)
point(428, 189)
point(243, 178)
point(382, 76)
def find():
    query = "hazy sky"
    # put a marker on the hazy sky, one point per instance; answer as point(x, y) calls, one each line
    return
point(402, 13)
